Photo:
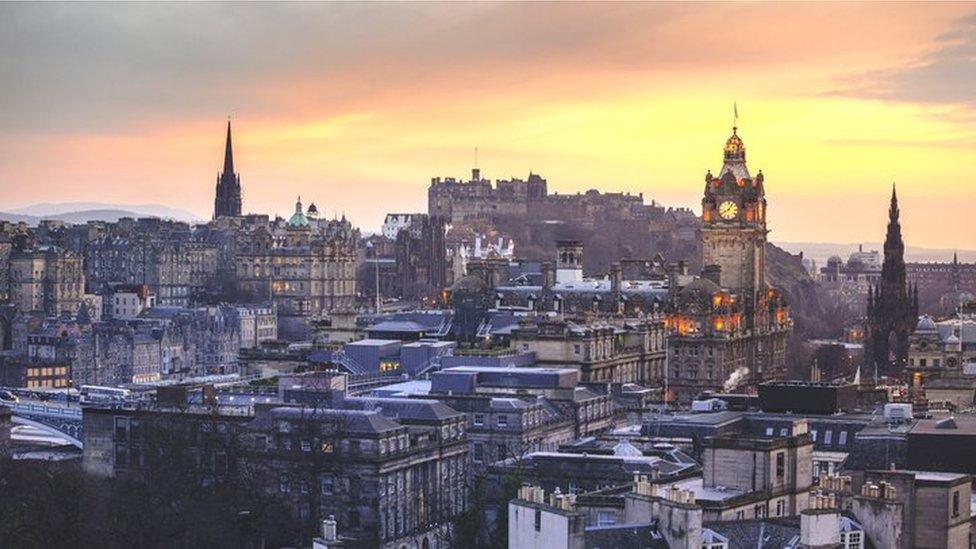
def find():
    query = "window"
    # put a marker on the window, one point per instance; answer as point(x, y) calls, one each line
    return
point(955, 504)
point(479, 452)
point(284, 484)
point(502, 420)
point(769, 431)
point(121, 456)
point(326, 484)
point(479, 419)
point(606, 518)
point(576, 349)
point(842, 438)
point(784, 432)
point(538, 519)
point(121, 428)
point(502, 451)
point(780, 508)
point(828, 436)
point(851, 540)
point(813, 435)
point(780, 465)
point(759, 511)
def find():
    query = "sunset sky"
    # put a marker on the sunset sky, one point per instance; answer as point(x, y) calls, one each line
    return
point(357, 106)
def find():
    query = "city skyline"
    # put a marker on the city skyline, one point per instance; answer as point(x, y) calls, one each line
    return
point(633, 98)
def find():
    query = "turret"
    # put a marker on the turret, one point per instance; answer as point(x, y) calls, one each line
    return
point(569, 261)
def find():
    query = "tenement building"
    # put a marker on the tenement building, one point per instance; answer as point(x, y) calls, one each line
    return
point(729, 326)
point(47, 279)
point(164, 255)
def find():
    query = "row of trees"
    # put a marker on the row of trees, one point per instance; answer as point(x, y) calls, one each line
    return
point(48, 504)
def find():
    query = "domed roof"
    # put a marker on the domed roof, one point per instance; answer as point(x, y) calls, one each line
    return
point(312, 208)
point(298, 219)
point(470, 282)
point(926, 325)
point(700, 285)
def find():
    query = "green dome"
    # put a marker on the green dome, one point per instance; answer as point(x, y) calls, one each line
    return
point(298, 219)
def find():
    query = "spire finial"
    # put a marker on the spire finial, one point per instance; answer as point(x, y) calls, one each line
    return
point(735, 117)
point(228, 152)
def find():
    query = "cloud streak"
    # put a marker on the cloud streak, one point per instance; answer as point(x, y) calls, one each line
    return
point(945, 75)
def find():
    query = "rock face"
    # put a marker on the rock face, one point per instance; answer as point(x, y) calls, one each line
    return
point(807, 306)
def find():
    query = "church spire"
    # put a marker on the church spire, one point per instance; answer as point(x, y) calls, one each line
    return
point(228, 152)
point(227, 201)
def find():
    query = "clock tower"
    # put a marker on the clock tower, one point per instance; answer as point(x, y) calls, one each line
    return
point(733, 234)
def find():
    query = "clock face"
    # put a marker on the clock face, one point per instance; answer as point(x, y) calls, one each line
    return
point(728, 209)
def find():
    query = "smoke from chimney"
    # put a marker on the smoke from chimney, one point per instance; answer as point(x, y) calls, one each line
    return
point(735, 379)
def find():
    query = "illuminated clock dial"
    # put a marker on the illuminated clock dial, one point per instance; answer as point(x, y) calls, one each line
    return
point(728, 209)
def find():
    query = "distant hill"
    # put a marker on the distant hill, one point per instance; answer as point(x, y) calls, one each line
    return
point(820, 251)
point(83, 212)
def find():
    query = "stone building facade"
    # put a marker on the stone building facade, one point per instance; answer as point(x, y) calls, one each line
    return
point(512, 413)
point(176, 268)
point(306, 267)
point(46, 279)
point(392, 473)
point(616, 350)
point(421, 258)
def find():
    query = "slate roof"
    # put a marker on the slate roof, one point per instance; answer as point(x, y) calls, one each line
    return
point(760, 534)
point(958, 425)
point(405, 408)
point(353, 421)
point(398, 326)
point(618, 536)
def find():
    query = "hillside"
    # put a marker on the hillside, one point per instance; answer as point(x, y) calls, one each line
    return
point(83, 212)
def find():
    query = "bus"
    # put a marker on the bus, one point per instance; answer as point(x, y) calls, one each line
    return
point(93, 394)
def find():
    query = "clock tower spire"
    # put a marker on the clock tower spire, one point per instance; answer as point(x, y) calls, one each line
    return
point(734, 223)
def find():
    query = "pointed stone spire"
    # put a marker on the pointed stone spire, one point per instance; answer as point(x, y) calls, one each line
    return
point(894, 313)
point(227, 199)
point(228, 152)
point(893, 208)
